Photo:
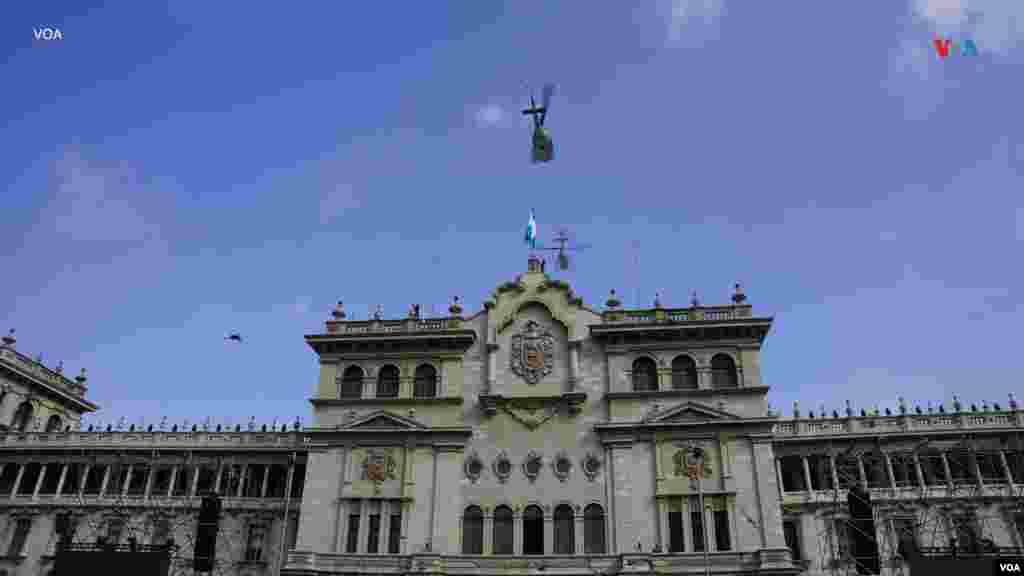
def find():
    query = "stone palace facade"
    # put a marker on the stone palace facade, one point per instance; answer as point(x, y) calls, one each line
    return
point(536, 436)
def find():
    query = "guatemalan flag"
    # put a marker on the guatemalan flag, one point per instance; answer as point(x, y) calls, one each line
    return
point(531, 232)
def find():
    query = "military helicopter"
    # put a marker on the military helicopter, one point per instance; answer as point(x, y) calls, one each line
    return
point(543, 147)
point(563, 248)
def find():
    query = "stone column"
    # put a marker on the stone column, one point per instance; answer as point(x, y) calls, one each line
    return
point(549, 531)
point(385, 527)
point(60, 482)
point(770, 513)
point(1006, 471)
point(833, 471)
point(664, 540)
point(579, 533)
point(861, 476)
point(807, 473)
point(195, 483)
point(364, 526)
point(778, 475)
point(492, 367)
point(517, 530)
point(917, 471)
point(149, 481)
point(85, 478)
point(888, 470)
point(241, 481)
point(266, 479)
point(174, 480)
point(127, 480)
point(574, 365)
point(105, 481)
point(220, 475)
point(17, 479)
point(945, 469)
point(704, 377)
point(488, 528)
point(39, 481)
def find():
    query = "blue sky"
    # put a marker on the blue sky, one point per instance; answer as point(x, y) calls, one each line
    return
point(175, 171)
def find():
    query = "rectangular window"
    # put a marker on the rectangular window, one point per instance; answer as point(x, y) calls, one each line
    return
point(137, 484)
point(254, 543)
point(207, 479)
point(72, 479)
point(675, 526)
point(820, 466)
point(50, 479)
point(352, 538)
point(276, 481)
point(904, 534)
point(94, 480)
point(792, 470)
point(990, 464)
point(64, 526)
point(932, 468)
point(874, 469)
point(373, 540)
point(183, 480)
point(161, 532)
point(22, 527)
point(8, 475)
point(29, 478)
point(298, 479)
point(161, 482)
point(904, 472)
point(1015, 462)
point(961, 466)
point(791, 531)
point(395, 533)
point(254, 481)
point(115, 528)
point(697, 524)
point(721, 516)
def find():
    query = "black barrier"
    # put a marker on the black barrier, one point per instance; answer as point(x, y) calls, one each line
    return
point(997, 566)
point(105, 562)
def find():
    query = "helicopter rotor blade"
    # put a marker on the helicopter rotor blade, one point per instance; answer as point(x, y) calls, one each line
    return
point(549, 90)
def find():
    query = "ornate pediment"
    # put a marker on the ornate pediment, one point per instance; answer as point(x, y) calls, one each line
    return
point(690, 412)
point(383, 420)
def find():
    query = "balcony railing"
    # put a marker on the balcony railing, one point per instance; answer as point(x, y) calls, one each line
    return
point(392, 326)
point(700, 313)
point(250, 439)
point(888, 424)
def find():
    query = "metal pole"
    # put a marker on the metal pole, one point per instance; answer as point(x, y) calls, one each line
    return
point(284, 523)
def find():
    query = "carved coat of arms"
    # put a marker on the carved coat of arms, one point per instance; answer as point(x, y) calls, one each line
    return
point(533, 352)
point(378, 466)
point(688, 465)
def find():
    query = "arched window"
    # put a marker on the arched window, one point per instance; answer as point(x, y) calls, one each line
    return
point(425, 385)
point(53, 424)
point(593, 529)
point(473, 531)
point(352, 382)
point(387, 382)
point(23, 417)
point(723, 372)
point(533, 531)
point(684, 373)
point(504, 531)
point(645, 375)
point(564, 529)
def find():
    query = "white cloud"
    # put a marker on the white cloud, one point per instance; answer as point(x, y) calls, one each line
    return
point(336, 199)
point(489, 115)
point(93, 202)
point(995, 26)
point(684, 16)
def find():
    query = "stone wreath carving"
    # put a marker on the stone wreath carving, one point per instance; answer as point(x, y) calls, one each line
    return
point(502, 467)
point(533, 352)
point(562, 466)
point(473, 467)
point(591, 466)
point(532, 465)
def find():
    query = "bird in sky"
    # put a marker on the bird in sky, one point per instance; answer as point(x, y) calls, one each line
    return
point(235, 336)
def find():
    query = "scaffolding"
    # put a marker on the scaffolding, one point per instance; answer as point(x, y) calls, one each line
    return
point(927, 525)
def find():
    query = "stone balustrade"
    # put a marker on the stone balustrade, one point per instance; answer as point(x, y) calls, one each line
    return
point(870, 425)
point(391, 326)
point(247, 439)
point(30, 367)
point(669, 315)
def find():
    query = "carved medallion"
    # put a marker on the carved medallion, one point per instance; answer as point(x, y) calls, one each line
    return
point(533, 352)
point(689, 465)
point(378, 466)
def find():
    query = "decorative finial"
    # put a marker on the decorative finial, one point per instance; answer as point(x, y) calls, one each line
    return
point(39, 358)
point(297, 424)
point(956, 404)
point(877, 411)
point(252, 423)
point(414, 311)
point(929, 406)
point(863, 413)
point(206, 424)
point(60, 367)
point(339, 311)
point(657, 300)
point(821, 410)
point(1013, 402)
point(903, 405)
point(942, 409)
point(163, 423)
point(9, 340)
point(81, 378)
point(849, 410)
point(613, 301)
point(455, 309)
point(796, 409)
point(120, 423)
point(918, 410)
point(887, 411)
point(835, 414)
point(738, 297)
point(694, 301)
point(996, 407)
point(984, 405)
point(974, 407)
point(378, 313)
